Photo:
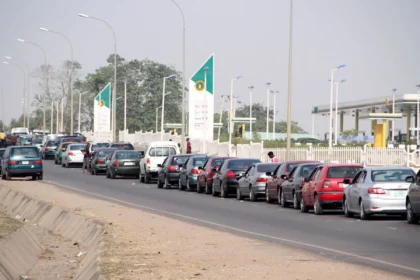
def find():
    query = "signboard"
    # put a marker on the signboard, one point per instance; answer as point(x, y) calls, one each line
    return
point(201, 102)
point(102, 110)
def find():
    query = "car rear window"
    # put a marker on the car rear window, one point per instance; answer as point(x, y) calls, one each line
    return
point(343, 171)
point(241, 164)
point(30, 152)
point(123, 146)
point(218, 161)
point(99, 145)
point(262, 168)
point(179, 160)
point(72, 139)
point(162, 151)
point(52, 143)
point(306, 170)
point(199, 161)
point(391, 175)
point(105, 153)
point(127, 154)
point(77, 147)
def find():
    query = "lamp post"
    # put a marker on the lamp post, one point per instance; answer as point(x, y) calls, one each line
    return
point(268, 106)
point(231, 114)
point(79, 118)
point(336, 110)
point(24, 88)
point(114, 102)
point(157, 109)
point(163, 103)
point(45, 66)
point(331, 102)
point(52, 116)
point(418, 115)
point(205, 112)
point(71, 74)
point(2, 108)
point(221, 114)
point(250, 111)
point(289, 86)
point(57, 129)
point(27, 102)
point(183, 74)
point(62, 115)
point(125, 110)
point(274, 113)
point(393, 122)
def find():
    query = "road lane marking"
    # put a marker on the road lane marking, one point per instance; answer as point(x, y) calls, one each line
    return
point(241, 230)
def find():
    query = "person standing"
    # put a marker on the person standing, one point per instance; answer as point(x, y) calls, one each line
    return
point(188, 146)
point(272, 158)
point(2, 139)
point(14, 139)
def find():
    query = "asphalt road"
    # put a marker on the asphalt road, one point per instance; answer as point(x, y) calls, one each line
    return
point(387, 243)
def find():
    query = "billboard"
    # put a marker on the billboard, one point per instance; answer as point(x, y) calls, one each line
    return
point(102, 110)
point(201, 102)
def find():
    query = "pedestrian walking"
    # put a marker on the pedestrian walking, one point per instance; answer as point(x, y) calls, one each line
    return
point(188, 146)
point(272, 158)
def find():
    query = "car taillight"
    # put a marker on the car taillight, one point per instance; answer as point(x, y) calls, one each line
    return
point(115, 163)
point(98, 161)
point(148, 161)
point(261, 180)
point(71, 154)
point(11, 162)
point(376, 191)
point(38, 162)
point(327, 184)
point(195, 171)
point(230, 174)
point(172, 168)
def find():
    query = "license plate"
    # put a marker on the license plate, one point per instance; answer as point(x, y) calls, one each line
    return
point(25, 162)
point(129, 163)
point(398, 193)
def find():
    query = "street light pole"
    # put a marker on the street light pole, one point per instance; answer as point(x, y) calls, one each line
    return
point(24, 88)
point(2, 108)
point(220, 117)
point(268, 107)
point(114, 101)
point(70, 78)
point(45, 71)
point(289, 86)
point(331, 103)
point(52, 116)
point(62, 115)
point(57, 129)
point(418, 115)
point(274, 113)
point(125, 110)
point(183, 74)
point(80, 105)
point(231, 115)
point(393, 122)
point(163, 105)
point(336, 111)
point(205, 106)
point(157, 109)
point(250, 111)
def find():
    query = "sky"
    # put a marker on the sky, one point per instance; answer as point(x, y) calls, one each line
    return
point(376, 39)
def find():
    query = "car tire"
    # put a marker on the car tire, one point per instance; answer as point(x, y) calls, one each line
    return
point(213, 191)
point(296, 202)
point(252, 195)
point(239, 195)
point(41, 176)
point(199, 188)
point(363, 214)
point(317, 206)
point(207, 189)
point(346, 210)
point(167, 184)
point(180, 187)
point(141, 177)
point(146, 178)
point(188, 185)
point(223, 191)
point(411, 217)
point(112, 175)
point(268, 199)
point(34, 177)
point(159, 184)
point(303, 207)
point(279, 194)
point(283, 201)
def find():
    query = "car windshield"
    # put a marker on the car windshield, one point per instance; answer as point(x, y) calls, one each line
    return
point(52, 144)
point(162, 151)
point(77, 147)
point(218, 161)
point(391, 175)
point(199, 161)
point(241, 164)
point(99, 145)
point(128, 154)
point(343, 171)
point(179, 160)
point(306, 170)
point(105, 153)
point(262, 168)
point(122, 146)
point(30, 152)
point(37, 141)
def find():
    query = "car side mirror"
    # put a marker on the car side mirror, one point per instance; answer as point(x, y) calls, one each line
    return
point(269, 173)
point(306, 179)
point(347, 181)
point(409, 179)
point(283, 177)
point(159, 165)
point(200, 168)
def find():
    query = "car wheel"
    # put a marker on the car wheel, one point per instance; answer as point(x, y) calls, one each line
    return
point(347, 212)
point(207, 189)
point(159, 184)
point(223, 191)
point(252, 196)
point(40, 176)
point(283, 202)
point(303, 207)
point(141, 177)
point(167, 185)
point(267, 196)
point(239, 194)
point(317, 207)
point(33, 177)
point(180, 187)
point(213, 191)
point(411, 217)
point(199, 188)
point(363, 214)
point(188, 185)
point(279, 195)
point(146, 178)
point(296, 202)
point(112, 174)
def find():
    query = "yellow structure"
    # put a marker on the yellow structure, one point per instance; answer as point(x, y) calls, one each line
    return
point(379, 140)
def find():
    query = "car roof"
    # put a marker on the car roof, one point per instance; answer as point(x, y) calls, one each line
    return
point(300, 161)
point(374, 168)
point(62, 143)
point(237, 159)
point(267, 163)
point(106, 149)
point(341, 164)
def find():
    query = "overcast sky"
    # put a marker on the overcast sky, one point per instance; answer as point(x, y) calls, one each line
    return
point(377, 39)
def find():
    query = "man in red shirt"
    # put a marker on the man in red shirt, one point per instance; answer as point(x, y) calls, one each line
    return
point(14, 139)
point(188, 146)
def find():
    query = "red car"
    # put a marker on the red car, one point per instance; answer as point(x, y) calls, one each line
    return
point(278, 177)
point(205, 178)
point(324, 188)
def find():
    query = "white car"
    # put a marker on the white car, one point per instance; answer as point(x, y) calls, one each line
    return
point(156, 154)
point(73, 155)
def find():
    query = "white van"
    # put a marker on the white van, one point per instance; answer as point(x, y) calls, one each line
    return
point(155, 154)
point(20, 131)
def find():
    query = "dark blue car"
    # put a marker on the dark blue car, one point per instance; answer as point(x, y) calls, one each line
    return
point(21, 161)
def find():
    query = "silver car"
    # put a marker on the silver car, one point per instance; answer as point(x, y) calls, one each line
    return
point(377, 190)
point(254, 181)
point(73, 154)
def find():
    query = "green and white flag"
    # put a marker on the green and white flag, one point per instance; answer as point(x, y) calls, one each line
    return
point(201, 102)
point(102, 110)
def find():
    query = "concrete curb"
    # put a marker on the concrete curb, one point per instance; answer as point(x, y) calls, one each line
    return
point(86, 232)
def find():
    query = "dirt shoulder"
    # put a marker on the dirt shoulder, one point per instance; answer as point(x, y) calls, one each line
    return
point(8, 225)
point(142, 245)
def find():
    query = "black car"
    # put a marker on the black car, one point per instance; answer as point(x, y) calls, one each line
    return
point(124, 163)
point(168, 173)
point(413, 200)
point(99, 160)
point(121, 146)
point(225, 181)
point(291, 188)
